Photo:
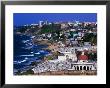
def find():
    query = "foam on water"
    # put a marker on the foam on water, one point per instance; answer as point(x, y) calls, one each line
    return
point(37, 53)
point(25, 52)
point(27, 55)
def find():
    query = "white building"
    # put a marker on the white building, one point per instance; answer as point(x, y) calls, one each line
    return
point(68, 54)
point(41, 23)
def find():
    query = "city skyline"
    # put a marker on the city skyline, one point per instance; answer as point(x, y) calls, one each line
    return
point(30, 18)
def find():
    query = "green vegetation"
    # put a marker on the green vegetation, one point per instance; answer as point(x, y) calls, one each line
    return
point(21, 29)
point(49, 28)
point(50, 57)
point(46, 29)
point(28, 72)
point(53, 56)
point(90, 37)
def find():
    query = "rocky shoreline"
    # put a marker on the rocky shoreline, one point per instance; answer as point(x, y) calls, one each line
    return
point(68, 73)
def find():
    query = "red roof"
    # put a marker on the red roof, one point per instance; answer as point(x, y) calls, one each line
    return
point(83, 57)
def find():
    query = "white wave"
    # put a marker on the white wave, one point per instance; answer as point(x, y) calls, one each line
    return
point(32, 52)
point(29, 47)
point(19, 62)
point(27, 55)
point(37, 53)
point(33, 37)
point(24, 41)
point(26, 58)
point(41, 51)
point(22, 61)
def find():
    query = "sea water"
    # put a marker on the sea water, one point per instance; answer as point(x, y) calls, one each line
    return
point(26, 52)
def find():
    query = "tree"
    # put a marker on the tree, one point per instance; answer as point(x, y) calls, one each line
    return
point(90, 37)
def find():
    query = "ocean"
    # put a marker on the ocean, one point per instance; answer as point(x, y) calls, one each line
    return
point(26, 52)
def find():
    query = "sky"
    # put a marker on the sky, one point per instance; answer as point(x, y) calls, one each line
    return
point(33, 18)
